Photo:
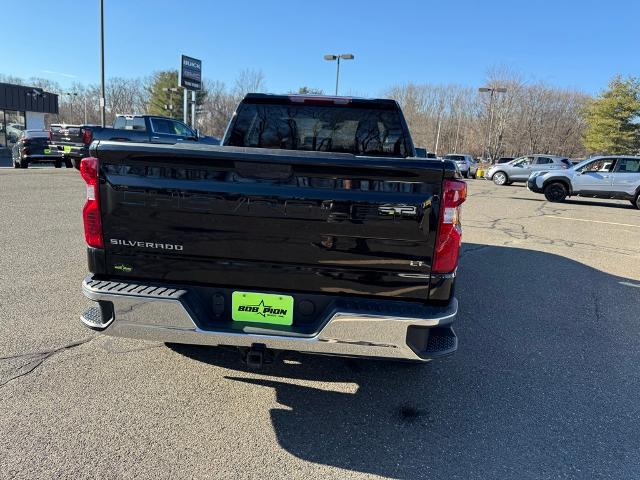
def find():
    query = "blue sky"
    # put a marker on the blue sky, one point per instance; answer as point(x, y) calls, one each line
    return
point(572, 43)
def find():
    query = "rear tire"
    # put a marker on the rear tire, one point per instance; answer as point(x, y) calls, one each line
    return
point(68, 163)
point(636, 202)
point(500, 178)
point(24, 163)
point(555, 192)
point(57, 164)
point(466, 174)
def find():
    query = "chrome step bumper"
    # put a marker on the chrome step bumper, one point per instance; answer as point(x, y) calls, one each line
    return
point(135, 310)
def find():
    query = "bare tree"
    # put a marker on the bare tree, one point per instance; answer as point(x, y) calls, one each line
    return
point(217, 109)
point(526, 119)
point(125, 96)
point(248, 81)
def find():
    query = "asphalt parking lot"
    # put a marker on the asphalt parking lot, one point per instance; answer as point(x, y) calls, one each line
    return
point(545, 383)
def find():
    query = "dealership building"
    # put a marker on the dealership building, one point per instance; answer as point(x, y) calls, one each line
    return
point(23, 108)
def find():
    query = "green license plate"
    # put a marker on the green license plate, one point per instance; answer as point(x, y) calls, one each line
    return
point(67, 149)
point(47, 151)
point(262, 308)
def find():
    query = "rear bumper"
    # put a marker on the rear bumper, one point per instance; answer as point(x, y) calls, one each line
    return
point(36, 157)
point(72, 151)
point(161, 313)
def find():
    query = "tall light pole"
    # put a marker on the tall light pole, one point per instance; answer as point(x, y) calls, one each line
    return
point(71, 94)
point(102, 100)
point(75, 94)
point(492, 91)
point(343, 56)
point(437, 136)
point(170, 90)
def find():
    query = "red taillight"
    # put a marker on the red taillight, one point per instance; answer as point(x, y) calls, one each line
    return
point(50, 135)
point(449, 237)
point(91, 211)
point(87, 136)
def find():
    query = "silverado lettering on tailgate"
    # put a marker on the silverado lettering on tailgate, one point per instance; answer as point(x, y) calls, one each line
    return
point(135, 243)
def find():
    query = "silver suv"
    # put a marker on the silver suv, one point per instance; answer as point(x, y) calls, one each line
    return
point(518, 170)
point(601, 177)
point(466, 164)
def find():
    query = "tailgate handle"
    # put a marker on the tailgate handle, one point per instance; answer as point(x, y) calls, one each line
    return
point(263, 171)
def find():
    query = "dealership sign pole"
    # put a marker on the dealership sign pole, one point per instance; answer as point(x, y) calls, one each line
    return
point(190, 79)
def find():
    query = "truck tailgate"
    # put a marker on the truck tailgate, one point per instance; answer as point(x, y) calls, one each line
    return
point(66, 135)
point(274, 220)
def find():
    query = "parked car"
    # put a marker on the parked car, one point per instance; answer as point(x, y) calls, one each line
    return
point(466, 163)
point(32, 146)
point(14, 130)
point(278, 239)
point(601, 177)
point(518, 170)
point(74, 140)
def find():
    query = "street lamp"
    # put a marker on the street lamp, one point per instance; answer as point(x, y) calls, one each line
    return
point(343, 56)
point(492, 91)
point(170, 91)
point(75, 94)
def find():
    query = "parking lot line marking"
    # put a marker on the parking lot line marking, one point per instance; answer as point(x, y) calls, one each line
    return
point(594, 221)
point(629, 284)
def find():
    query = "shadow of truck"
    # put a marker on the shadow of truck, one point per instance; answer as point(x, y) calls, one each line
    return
point(545, 383)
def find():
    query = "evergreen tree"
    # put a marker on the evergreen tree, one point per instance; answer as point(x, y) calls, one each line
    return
point(166, 97)
point(613, 119)
point(310, 91)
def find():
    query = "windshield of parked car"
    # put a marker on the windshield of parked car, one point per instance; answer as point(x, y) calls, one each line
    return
point(457, 158)
point(330, 128)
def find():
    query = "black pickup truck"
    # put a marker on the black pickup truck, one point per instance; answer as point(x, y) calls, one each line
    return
point(73, 141)
point(313, 228)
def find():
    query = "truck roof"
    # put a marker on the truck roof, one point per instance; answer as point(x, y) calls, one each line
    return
point(269, 98)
